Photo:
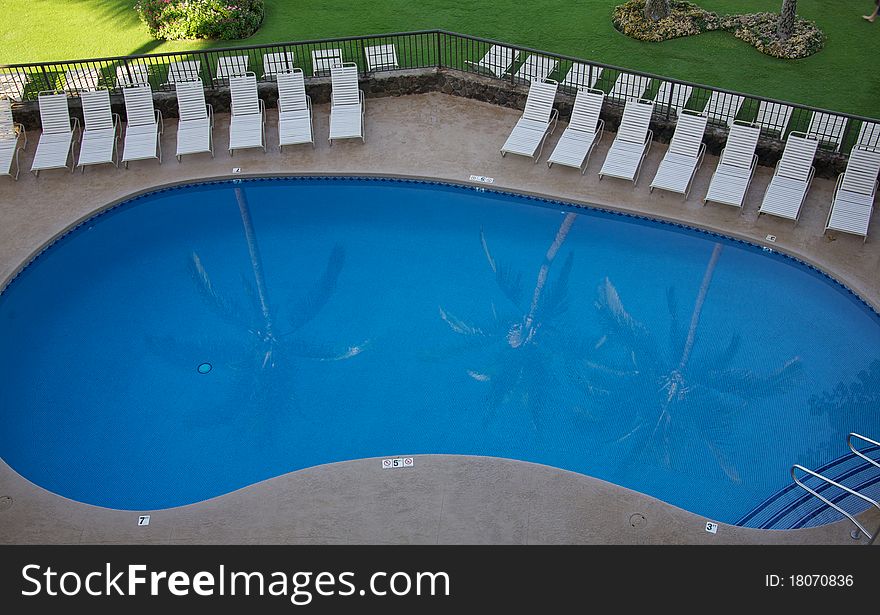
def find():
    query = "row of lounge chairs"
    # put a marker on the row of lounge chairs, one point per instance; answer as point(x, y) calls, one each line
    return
point(498, 61)
point(853, 198)
point(144, 126)
point(720, 107)
point(378, 57)
point(784, 197)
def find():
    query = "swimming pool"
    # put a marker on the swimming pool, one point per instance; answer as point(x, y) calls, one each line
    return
point(199, 339)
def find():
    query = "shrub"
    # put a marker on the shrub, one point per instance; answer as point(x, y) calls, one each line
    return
point(193, 19)
point(759, 30)
point(687, 19)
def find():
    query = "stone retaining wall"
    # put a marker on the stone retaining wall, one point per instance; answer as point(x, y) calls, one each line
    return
point(498, 92)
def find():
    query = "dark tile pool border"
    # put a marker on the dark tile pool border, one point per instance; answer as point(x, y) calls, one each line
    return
point(542, 200)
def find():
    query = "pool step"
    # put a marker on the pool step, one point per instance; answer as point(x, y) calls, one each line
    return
point(792, 507)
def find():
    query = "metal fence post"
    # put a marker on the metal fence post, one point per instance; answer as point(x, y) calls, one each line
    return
point(845, 136)
point(363, 56)
point(46, 79)
point(439, 50)
point(207, 62)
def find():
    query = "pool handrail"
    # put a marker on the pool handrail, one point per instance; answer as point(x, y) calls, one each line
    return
point(871, 537)
point(859, 453)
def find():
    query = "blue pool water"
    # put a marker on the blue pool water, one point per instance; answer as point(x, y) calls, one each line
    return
point(200, 339)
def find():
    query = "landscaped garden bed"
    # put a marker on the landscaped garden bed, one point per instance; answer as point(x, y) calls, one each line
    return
point(172, 20)
point(688, 19)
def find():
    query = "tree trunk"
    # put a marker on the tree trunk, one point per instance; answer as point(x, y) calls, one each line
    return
point(698, 308)
point(656, 9)
point(561, 234)
point(524, 332)
point(677, 384)
point(785, 26)
point(257, 267)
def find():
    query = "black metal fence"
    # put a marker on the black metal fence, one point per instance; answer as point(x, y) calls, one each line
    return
point(447, 50)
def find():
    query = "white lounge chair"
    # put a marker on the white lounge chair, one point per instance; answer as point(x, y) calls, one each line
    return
point(274, 63)
point(773, 117)
point(535, 68)
point(11, 133)
point(346, 103)
point(294, 109)
point(631, 143)
point(497, 60)
point(854, 194)
point(827, 128)
point(196, 124)
point(788, 188)
point(132, 74)
point(684, 156)
point(247, 121)
point(580, 76)
point(325, 59)
point(381, 57)
point(584, 130)
point(723, 107)
point(869, 135)
point(227, 66)
point(673, 95)
point(101, 130)
point(732, 177)
point(81, 80)
point(537, 121)
point(143, 126)
point(12, 84)
point(629, 87)
point(56, 139)
point(188, 70)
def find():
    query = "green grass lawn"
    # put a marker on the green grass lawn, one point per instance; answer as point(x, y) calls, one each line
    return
point(841, 77)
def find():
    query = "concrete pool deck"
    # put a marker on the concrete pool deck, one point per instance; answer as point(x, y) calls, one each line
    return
point(444, 498)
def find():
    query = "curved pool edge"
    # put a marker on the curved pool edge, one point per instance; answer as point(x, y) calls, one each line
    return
point(869, 296)
point(678, 516)
point(432, 125)
point(443, 499)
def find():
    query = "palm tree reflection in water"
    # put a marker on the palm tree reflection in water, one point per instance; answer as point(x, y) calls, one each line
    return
point(517, 369)
point(265, 349)
point(680, 407)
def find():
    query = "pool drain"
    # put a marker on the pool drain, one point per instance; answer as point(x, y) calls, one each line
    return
point(638, 520)
point(204, 368)
point(5, 502)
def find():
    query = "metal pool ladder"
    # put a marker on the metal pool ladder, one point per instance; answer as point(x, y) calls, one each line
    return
point(849, 442)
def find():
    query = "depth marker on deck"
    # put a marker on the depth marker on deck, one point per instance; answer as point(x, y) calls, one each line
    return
point(482, 179)
point(397, 462)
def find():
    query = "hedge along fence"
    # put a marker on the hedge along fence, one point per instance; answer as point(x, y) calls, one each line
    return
point(453, 63)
